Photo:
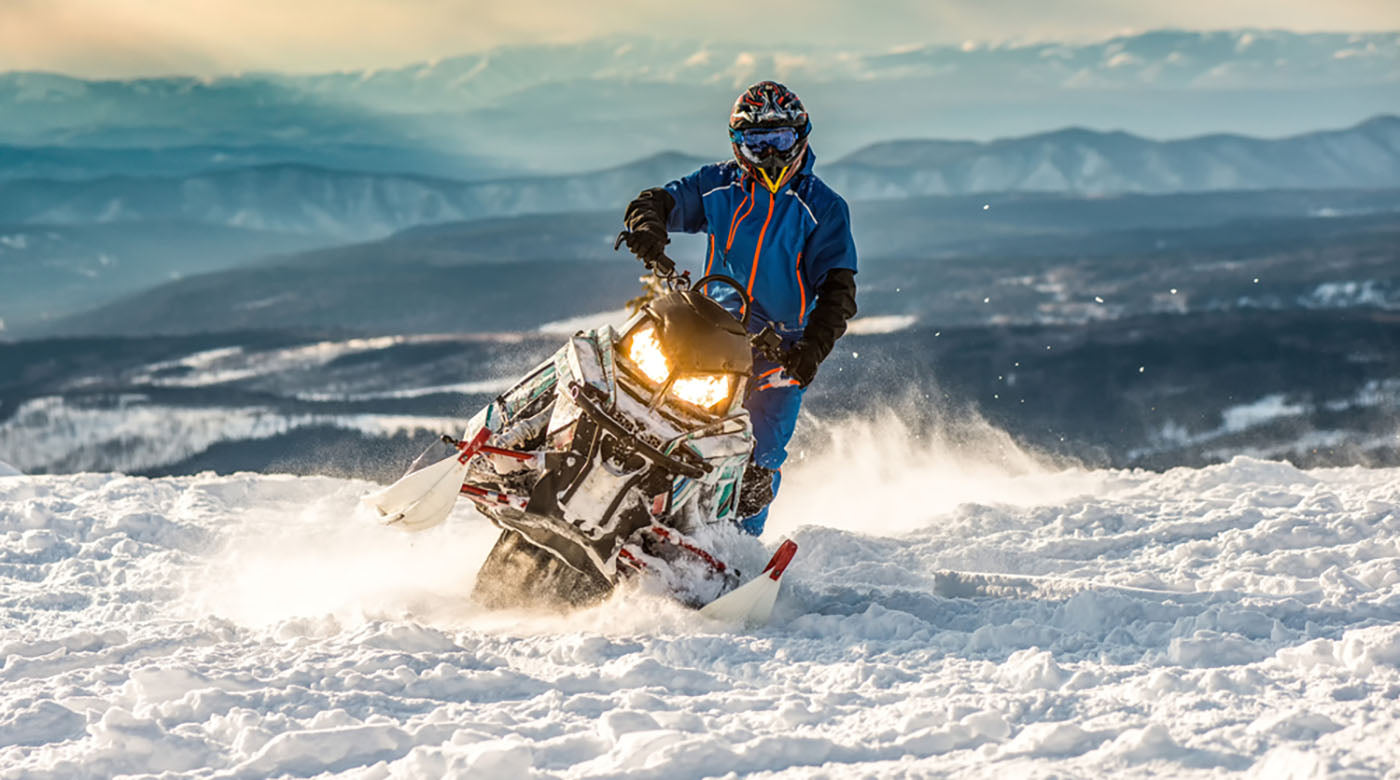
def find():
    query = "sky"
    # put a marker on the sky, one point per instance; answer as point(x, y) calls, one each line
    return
point(123, 38)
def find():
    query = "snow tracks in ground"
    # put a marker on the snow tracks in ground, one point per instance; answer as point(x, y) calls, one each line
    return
point(1239, 619)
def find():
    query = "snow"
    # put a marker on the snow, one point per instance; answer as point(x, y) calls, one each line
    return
point(233, 364)
point(485, 386)
point(957, 607)
point(572, 325)
point(1242, 417)
point(51, 434)
point(875, 325)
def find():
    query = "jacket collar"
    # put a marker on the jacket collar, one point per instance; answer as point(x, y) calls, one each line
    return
point(809, 159)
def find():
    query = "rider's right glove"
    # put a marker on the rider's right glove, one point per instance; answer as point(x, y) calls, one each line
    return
point(801, 362)
point(646, 228)
point(836, 303)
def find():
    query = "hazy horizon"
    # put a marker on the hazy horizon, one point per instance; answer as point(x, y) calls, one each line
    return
point(855, 50)
point(151, 38)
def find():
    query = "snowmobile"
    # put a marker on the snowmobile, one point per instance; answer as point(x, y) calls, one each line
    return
point(604, 462)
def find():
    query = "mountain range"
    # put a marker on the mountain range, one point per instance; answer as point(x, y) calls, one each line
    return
point(1028, 258)
point(354, 205)
point(76, 163)
point(1249, 59)
point(594, 103)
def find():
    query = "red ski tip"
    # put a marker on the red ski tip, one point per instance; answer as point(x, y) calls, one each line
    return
point(780, 560)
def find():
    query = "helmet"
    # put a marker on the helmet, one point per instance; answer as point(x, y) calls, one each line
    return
point(768, 129)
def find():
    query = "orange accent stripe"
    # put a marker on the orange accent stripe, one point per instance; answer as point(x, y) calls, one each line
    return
point(766, 373)
point(736, 220)
point(710, 263)
point(797, 271)
point(753, 272)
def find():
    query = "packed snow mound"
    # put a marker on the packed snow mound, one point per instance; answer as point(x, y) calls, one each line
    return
point(1238, 619)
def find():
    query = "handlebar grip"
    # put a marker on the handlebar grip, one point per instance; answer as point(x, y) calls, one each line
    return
point(664, 263)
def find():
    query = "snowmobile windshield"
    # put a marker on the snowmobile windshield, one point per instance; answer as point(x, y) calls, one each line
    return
point(699, 335)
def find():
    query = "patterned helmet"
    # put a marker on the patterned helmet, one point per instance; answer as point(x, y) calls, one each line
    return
point(768, 129)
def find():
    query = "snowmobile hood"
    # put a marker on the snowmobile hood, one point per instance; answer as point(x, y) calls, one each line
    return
point(699, 335)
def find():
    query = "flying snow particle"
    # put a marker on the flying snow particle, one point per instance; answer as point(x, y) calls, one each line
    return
point(855, 355)
point(986, 206)
point(1141, 369)
point(1098, 299)
point(1173, 291)
point(987, 300)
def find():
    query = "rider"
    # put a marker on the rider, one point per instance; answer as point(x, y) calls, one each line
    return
point(786, 237)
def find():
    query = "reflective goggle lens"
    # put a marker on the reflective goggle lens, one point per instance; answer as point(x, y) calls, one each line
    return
point(760, 138)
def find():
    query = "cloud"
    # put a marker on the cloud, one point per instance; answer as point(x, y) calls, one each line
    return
point(128, 37)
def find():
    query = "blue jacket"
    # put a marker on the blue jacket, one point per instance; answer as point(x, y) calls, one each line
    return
point(779, 246)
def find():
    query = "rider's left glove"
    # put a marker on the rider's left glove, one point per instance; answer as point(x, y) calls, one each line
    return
point(646, 228)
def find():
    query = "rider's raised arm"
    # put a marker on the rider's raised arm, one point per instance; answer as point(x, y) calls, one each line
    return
point(688, 212)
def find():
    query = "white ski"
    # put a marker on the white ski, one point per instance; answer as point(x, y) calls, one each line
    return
point(752, 602)
point(424, 498)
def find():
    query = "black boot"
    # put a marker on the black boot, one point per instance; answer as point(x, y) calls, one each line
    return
point(757, 491)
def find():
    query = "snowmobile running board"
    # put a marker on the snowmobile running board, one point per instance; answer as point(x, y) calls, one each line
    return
point(752, 602)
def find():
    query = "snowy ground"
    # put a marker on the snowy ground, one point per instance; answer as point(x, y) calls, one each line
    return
point(993, 617)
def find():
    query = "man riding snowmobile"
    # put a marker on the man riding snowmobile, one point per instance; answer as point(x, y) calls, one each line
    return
point(634, 450)
point(783, 233)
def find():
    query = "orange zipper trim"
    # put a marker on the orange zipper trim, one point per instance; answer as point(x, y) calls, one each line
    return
point(710, 262)
point(753, 272)
point(736, 220)
point(797, 271)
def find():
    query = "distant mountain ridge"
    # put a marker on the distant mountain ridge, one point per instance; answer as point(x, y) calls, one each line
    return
point(89, 162)
point(627, 96)
point(1224, 59)
point(353, 205)
point(1248, 58)
point(310, 200)
point(1080, 161)
point(955, 263)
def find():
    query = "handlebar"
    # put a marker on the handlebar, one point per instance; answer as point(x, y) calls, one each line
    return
point(675, 282)
point(766, 342)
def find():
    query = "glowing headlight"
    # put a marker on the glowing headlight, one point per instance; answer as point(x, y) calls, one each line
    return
point(705, 392)
point(646, 353)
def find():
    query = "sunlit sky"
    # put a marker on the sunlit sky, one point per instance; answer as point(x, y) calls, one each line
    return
point(120, 38)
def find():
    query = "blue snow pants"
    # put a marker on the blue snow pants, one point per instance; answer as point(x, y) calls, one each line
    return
point(773, 405)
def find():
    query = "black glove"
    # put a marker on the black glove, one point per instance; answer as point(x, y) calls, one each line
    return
point(836, 303)
point(801, 362)
point(646, 228)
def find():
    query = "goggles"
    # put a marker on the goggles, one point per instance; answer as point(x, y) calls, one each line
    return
point(761, 139)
